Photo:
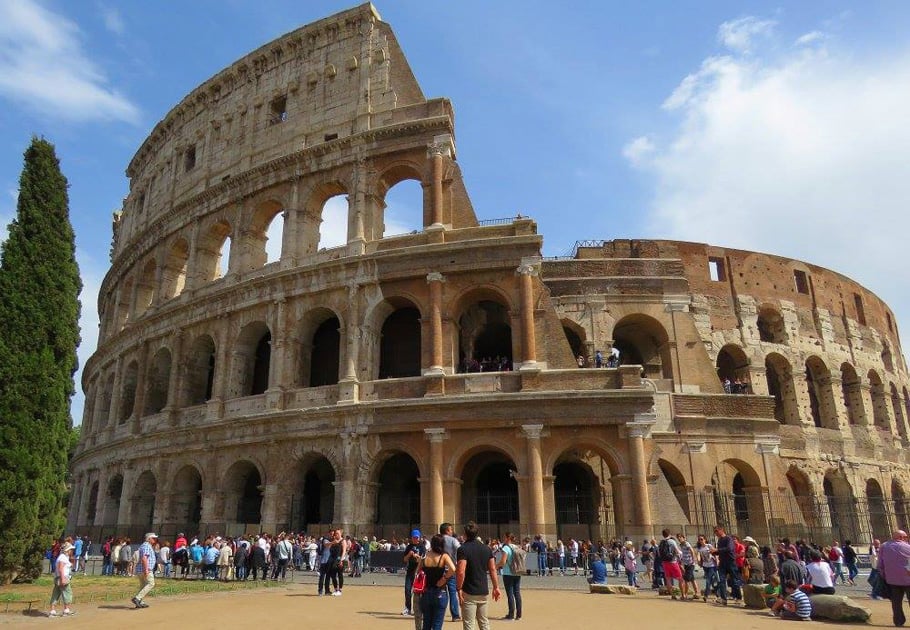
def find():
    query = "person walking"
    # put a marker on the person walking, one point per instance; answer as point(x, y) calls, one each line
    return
point(437, 567)
point(893, 560)
point(510, 579)
point(725, 550)
point(63, 572)
point(475, 563)
point(145, 570)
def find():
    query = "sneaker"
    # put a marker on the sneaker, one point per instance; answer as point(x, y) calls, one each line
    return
point(135, 602)
point(52, 613)
point(68, 613)
point(337, 593)
point(406, 613)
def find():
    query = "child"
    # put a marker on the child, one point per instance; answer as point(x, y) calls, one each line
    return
point(772, 590)
point(795, 606)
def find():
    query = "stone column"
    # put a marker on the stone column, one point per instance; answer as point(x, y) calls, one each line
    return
point(139, 398)
point(175, 378)
point(638, 430)
point(441, 148)
point(532, 433)
point(766, 446)
point(347, 391)
point(101, 502)
point(358, 207)
point(113, 416)
point(436, 494)
point(75, 512)
point(124, 516)
point(527, 271)
point(435, 281)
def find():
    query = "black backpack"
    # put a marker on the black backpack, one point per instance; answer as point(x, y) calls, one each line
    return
point(665, 551)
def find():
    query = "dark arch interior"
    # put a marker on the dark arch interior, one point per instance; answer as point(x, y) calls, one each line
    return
point(324, 359)
point(249, 504)
point(261, 361)
point(575, 341)
point(485, 338)
point(188, 497)
point(92, 503)
point(318, 502)
point(575, 491)
point(399, 492)
point(490, 490)
point(731, 367)
point(399, 351)
point(774, 389)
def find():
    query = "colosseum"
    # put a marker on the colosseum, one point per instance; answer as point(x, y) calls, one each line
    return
point(452, 373)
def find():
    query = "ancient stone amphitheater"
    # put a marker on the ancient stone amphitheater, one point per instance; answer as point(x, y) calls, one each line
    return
point(400, 380)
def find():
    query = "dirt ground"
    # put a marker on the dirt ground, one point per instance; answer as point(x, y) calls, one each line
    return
point(380, 607)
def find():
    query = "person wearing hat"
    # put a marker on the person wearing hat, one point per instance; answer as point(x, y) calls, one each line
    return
point(414, 551)
point(145, 570)
point(63, 569)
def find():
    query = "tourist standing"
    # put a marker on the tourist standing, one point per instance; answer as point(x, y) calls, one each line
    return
point(708, 563)
point(668, 553)
point(451, 548)
point(63, 571)
point(413, 553)
point(475, 563)
point(510, 578)
point(629, 563)
point(145, 570)
point(893, 560)
point(725, 551)
point(438, 567)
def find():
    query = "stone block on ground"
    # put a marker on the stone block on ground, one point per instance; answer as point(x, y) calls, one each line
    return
point(838, 608)
point(612, 589)
point(754, 596)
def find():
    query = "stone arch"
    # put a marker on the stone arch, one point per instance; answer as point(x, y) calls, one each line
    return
point(128, 392)
point(173, 273)
point(199, 378)
point(490, 492)
point(887, 357)
point(142, 503)
point(841, 504)
point(399, 343)
point(186, 504)
point(586, 491)
point(124, 303)
point(157, 382)
point(770, 324)
point(243, 489)
point(484, 332)
point(879, 520)
point(256, 237)
point(901, 511)
point(92, 505)
point(114, 496)
point(676, 481)
point(642, 340)
point(326, 217)
point(821, 394)
point(779, 375)
point(396, 176)
point(210, 250)
point(398, 491)
point(852, 391)
point(319, 351)
point(879, 402)
point(253, 353)
point(738, 497)
point(576, 336)
point(145, 287)
point(898, 409)
point(804, 495)
point(733, 368)
point(906, 404)
point(314, 491)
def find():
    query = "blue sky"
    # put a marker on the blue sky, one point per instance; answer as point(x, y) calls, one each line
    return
point(767, 126)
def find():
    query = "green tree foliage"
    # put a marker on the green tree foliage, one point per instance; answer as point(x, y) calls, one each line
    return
point(39, 333)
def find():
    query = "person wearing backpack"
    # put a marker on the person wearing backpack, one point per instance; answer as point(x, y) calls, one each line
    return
point(669, 553)
point(512, 564)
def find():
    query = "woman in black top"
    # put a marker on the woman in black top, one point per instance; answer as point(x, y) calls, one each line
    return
point(438, 568)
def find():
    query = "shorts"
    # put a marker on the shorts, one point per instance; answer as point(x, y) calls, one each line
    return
point(672, 571)
point(689, 573)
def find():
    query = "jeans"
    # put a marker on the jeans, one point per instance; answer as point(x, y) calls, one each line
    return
point(408, 588)
point(433, 605)
point(710, 581)
point(632, 578)
point(324, 577)
point(474, 612)
point(852, 571)
point(838, 568)
point(452, 589)
point(167, 569)
point(107, 567)
point(513, 595)
point(725, 568)
point(542, 563)
point(562, 564)
point(280, 569)
point(898, 593)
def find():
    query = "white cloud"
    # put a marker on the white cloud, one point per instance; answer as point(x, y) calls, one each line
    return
point(738, 35)
point(113, 21)
point(43, 66)
point(639, 150)
point(802, 155)
point(810, 38)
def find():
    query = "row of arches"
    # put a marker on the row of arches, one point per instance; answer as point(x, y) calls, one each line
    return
point(640, 339)
point(259, 236)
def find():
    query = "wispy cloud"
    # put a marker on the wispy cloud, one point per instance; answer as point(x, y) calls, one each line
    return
point(738, 35)
point(637, 151)
point(43, 65)
point(112, 19)
point(810, 38)
point(799, 151)
point(8, 212)
point(92, 273)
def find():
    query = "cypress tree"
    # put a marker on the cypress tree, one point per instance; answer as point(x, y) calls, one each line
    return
point(39, 333)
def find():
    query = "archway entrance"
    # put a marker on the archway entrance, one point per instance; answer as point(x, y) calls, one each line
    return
point(314, 500)
point(739, 502)
point(187, 510)
point(112, 503)
point(243, 494)
point(490, 495)
point(324, 358)
point(642, 340)
point(878, 512)
point(485, 343)
point(142, 508)
point(399, 348)
point(398, 496)
point(841, 505)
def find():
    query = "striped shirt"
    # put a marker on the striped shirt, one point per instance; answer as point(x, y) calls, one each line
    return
point(803, 605)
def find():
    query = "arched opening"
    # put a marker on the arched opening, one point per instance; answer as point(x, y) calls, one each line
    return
point(852, 391)
point(264, 234)
point(92, 507)
point(642, 340)
point(900, 505)
point(107, 395)
point(733, 369)
point(576, 494)
point(398, 494)
point(325, 354)
point(887, 359)
point(404, 209)
point(122, 310)
point(213, 251)
point(821, 394)
point(878, 513)
point(898, 409)
point(243, 494)
point(145, 288)
point(112, 504)
point(780, 385)
point(575, 335)
point(157, 381)
point(200, 371)
point(173, 275)
point(274, 235)
point(485, 338)
point(906, 404)
point(841, 507)
point(805, 498)
point(128, 392)
point(490, 491)
point(187, 508)
point(673, 479)
point(771, 328)
point(738, 498)
point(142, 510)
point(879, 404)
point(314, 499)
point(333, 226)
point(254, 353)
point(399, 348)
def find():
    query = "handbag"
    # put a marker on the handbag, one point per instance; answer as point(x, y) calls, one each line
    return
point(420, 582)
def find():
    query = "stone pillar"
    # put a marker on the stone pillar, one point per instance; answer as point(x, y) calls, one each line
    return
point(527, 271)
point(139, 398)
point(75, 512)
point(435, 281)
point(175, 378)
point(638, 430)
point(532, 433)
point(441, 148)
point(113, 417)
point(124, 516)
point(347, 391)
point(290, 242)
point(101, 503)
point(358, 207)
point(436, 495)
